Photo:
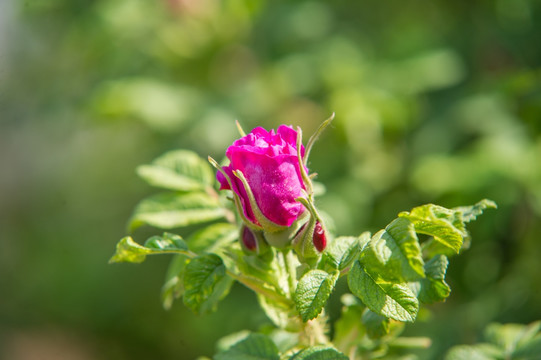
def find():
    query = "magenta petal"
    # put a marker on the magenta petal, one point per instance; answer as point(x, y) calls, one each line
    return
point(268, 161)
point(224, 184)
point(275, 183)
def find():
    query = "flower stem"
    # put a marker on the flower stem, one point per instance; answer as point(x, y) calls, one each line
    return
point(289, 263)
point(254, 285)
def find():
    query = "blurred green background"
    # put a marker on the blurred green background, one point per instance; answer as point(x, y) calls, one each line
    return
point(435, 101)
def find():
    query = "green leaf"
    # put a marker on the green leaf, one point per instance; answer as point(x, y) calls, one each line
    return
point(313, 291)
point(348, 330)
point(529, 343)
point(375, 324)
point(205, 283)
point(395, 253)
point(474, 352)
point(173, 288)
point(226, 342)
point(252, 347)
point(213, 238)
point(277, 312)
point(343, 250)
point(271, 274)
point(434, 288)
point(470, 213)
point(171, 210)
point(528, 350)
point(392, 300)
point(166, 243)
point(516, 340)
point(321, 352)
point(445, 225)
point(128, 250)
point(181, 170)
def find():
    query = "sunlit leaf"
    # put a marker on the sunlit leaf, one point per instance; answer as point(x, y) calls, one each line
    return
point(213, 238)
point(474, 352)
point(395, 253)
point(342, 251)
point(171, 210)
point(434, 288)
point(445, 225)
point(181, 170)
point(392, 300)
point(128, 250)
point(205, 283)
point(319, 353)
point(252, 347)
point(313, 291)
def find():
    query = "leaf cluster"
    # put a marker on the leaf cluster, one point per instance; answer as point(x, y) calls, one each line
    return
point(389, 273)
point(503, 342)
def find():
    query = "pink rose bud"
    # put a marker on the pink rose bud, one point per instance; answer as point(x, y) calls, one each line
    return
point(319, 238)
point(310, 241)
point(253, 242)
point(265, 177)
point(248, 239)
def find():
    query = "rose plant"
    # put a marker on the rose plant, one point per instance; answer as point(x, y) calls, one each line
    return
point(265, 231)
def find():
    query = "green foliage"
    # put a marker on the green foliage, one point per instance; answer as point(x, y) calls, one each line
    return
point(342, 251)
point(180, 170)
point(395, 252)
point(172, 210)
point(214, 238)
point(319, 353)
point(129, 251)
point(376, 325)
point(390, 272)
point(313, 291)
point(391, 275)
point(205, 283)
point(446, 226)
point(392, 300)
point(252, 347)
point(447, 112)
point(173, 288)
point(510, 341)
point(433, 287)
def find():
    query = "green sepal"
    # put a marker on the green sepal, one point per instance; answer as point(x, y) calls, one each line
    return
point(303, 242)
point(261, 245)
point(236, 199)
point(283, 238)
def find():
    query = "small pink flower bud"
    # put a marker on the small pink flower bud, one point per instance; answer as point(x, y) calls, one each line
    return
point(253, 241)
point(248, 239)
point(319, 238)
point(310, 241)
